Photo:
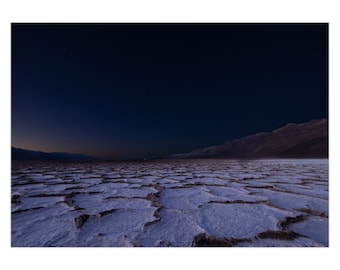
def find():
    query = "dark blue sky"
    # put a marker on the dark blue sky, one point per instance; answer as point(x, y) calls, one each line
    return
point(148, 90)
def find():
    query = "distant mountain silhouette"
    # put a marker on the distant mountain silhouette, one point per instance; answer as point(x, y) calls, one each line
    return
point(306, 140)
point(23, 154)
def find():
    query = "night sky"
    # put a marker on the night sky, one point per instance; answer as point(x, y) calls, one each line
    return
point(126, 91)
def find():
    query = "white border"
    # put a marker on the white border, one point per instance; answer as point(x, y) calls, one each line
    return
point(167, 11)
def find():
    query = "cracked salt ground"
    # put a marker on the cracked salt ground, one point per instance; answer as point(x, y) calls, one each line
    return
point(171, 203)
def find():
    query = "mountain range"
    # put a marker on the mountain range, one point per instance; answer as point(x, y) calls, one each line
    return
point(304, 140)
point(24, 154)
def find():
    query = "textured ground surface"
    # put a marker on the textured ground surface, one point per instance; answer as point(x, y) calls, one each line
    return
point(171, 203)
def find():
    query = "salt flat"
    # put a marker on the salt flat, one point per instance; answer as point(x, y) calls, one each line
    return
point(174, 203)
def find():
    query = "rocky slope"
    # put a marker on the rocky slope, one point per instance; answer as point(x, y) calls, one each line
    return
point(305, 140)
